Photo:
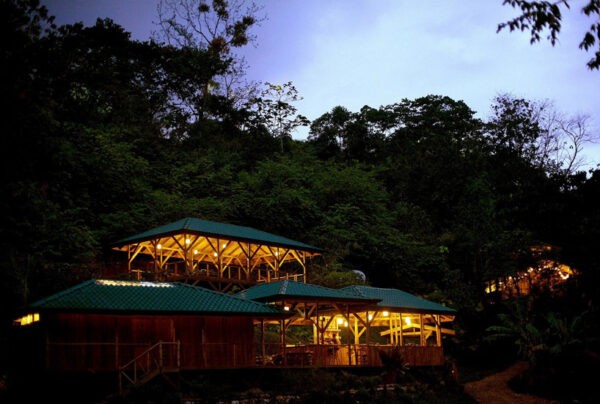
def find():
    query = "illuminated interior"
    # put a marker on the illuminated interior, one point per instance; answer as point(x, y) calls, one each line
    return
point(186, 254)
point(546, 274)
point(27, 319)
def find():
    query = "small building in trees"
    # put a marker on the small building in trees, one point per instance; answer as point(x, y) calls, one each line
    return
point(543, 273)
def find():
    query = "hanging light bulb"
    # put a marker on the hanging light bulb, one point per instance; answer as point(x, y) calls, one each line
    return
point(159, 246)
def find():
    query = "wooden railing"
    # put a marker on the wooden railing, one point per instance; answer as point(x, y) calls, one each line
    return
point(135, 361)
point(160, 358)
point(233, 274)
point(346, 355)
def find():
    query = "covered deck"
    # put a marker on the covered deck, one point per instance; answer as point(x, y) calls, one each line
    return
point(216, 255)
point(353, 326)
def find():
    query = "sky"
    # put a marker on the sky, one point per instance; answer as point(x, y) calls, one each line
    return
point(357, 52)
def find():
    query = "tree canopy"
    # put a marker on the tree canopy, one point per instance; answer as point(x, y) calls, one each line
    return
point(538, 16)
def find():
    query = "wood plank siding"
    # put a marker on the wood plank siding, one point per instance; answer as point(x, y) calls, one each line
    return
point(102, 342)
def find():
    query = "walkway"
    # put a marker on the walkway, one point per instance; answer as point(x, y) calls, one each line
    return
point(494, 389)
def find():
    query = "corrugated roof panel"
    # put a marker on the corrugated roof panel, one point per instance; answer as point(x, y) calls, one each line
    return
point(289, 289)
point(141, 296)
point(217, 229)
point(398, 299)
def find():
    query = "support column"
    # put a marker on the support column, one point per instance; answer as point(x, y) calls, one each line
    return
point(438, 330)
point(262, 341)
point(348, 332)
point(282, 338)
point(422, 330)
point(401, 328)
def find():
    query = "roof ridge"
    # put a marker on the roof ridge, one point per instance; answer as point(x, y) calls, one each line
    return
point(215, 229)
point(355, 289)
point(284, 285)
point(182, 297)
point(215, 292)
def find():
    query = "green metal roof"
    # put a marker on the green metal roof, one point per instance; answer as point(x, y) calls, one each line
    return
point(216, 229)
point(398, 299)
point(154, 297)
point(288, 290)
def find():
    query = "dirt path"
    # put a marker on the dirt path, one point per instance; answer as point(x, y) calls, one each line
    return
point(494, 388)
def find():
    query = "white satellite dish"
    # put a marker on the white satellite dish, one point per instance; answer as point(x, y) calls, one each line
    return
point(360, 274)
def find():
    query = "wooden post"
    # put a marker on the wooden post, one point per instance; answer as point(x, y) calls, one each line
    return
point(219, 265)
point(117, 351)
point(422, 330)
point(391, 329)
point(282, 332)
point(304, 266)
point(348, 332)
point(262, 340)
point(401, 328)
point(438, 333)
point(368, 332)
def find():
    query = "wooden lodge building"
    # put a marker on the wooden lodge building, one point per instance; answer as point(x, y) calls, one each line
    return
point(173, 308)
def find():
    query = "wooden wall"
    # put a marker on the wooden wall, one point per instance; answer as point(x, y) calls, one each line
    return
point(98, 342)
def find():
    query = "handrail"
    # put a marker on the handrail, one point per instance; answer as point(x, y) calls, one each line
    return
point(156, 366)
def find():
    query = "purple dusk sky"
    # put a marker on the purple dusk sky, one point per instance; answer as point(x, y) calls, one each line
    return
point(357, 52)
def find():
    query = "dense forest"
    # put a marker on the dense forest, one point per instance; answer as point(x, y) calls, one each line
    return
point(105, 136)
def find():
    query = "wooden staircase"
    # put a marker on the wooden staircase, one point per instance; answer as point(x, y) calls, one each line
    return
point(160, 359)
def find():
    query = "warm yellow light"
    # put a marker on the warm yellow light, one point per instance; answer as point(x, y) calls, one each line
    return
point(195, 252)
point(345, 324)
point(277, 253)
point(159, 246)
point(28, 319)
point(386, 314)
point(224, 245)
point(108, 282)
point(286, 308)
point(340, 321)
point(215, 254)
point(407, 321)
point(187, 241)
point(370, 317)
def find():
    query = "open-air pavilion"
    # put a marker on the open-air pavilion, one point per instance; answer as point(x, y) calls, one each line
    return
point(218, 255)
point(351, 326)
